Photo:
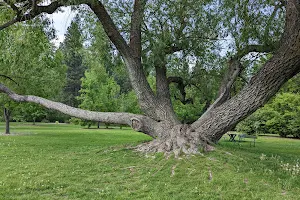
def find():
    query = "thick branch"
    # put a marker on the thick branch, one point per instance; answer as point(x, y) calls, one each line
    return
point(284, 64)
point(146, 97)
point(136, 24)
point(138, 122)
point(136, 73)
point(110, 28)
point(163, 94)
point(234, 70)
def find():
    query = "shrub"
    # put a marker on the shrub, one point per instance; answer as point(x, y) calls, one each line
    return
point(280, 116)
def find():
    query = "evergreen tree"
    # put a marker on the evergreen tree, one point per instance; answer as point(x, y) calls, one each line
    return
point(72, 49)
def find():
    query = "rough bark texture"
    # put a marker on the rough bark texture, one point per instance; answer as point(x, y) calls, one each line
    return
point(282, 66)
point(143, 123)
point(159, 120)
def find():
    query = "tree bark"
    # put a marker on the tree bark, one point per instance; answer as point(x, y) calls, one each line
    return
point(140, 123)
point(163, 95)
point(159, 120)
point(281, 67)
point(7, 120)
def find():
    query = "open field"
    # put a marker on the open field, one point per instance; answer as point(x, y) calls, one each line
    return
point(59, 161)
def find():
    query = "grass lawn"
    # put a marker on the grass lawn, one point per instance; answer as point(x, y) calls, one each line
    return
point(58, 161)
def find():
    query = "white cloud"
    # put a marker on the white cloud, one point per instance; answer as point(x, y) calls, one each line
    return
point(61, 22)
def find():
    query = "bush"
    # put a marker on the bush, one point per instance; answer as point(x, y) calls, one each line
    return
point(81, 122)
point(280, 116)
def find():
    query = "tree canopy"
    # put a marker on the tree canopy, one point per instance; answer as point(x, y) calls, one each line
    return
point(205, 53)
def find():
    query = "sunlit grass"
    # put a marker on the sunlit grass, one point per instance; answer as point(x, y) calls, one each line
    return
point(58, 161)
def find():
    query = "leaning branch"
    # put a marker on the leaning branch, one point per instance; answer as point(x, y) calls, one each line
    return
point(137, 122)
point(110, 28)
point(284, 64)
point(234, 70)
point(136, 73)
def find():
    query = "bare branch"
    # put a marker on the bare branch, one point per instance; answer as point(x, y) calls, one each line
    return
point(106, 117)
point(181, 87)
point(9, 78)
point(51, 8)
point(282, 66)
point(234, 70)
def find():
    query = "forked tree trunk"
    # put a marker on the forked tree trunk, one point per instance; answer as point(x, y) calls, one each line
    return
point(219, 119)
point(6, 118)
point(160, 121)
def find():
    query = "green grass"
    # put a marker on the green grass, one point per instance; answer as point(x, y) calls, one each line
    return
point(49, 161)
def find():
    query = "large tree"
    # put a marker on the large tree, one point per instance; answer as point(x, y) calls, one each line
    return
point(24, 67)
point(255, 26)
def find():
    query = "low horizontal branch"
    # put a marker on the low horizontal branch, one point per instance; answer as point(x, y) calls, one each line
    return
point(106, 117)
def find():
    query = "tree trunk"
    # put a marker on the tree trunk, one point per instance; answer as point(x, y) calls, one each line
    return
point(98, 125)
point(159, 120)
point(6, 118)
point(176, 139)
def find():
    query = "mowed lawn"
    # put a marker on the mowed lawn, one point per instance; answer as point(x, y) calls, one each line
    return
point(59, 161)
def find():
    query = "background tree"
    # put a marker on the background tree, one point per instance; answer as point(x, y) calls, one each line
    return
point(28, 59)
point(181, 24)
point(72, 49)
point(99, 92)
point(279, 116)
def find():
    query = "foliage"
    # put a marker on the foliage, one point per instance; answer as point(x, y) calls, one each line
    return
point(29, 59)
point(58, 161)
point(29, 113)
point(105, 86)
point(99, 92)
point(72, 49)
point(280, 116)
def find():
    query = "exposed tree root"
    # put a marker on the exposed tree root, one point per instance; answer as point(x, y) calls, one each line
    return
point(179, 139)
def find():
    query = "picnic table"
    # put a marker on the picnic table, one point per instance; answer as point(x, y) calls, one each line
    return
point(232, 137)
point(243, 136)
